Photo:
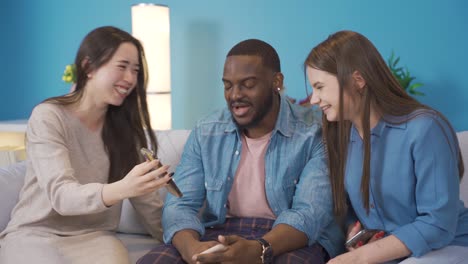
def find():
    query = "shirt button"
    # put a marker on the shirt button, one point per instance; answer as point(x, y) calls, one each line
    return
point(206, 184)
point(295, 181)
point(225, 205)
point(229, 178)
point(237, 152)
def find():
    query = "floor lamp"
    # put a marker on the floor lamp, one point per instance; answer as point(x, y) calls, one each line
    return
point(150, 24)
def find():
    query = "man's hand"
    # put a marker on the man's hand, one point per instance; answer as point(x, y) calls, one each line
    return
point(239, 250)
point(195, 248)
point(187, 242)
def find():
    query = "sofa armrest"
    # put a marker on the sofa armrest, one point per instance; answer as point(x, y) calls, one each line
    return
point(463, 142)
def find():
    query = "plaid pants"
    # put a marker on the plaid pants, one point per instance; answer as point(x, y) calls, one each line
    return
point(249, 228)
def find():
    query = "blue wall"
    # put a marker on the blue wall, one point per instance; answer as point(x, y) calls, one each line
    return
point(41, 37)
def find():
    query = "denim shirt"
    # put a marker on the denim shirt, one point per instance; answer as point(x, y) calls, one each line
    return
point(296, 177)
point(414, 183)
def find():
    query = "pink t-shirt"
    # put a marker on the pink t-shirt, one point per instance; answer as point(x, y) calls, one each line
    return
point(247, 197)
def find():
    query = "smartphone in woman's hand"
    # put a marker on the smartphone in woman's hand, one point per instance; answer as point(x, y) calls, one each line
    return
point(171, 186)
point(364, 236)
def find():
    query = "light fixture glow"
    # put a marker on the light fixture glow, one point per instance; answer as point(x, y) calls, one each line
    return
point(150, 25)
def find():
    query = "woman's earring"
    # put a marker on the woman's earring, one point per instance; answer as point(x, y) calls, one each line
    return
point(89, 75)
point(279, 89)
point(361, 90)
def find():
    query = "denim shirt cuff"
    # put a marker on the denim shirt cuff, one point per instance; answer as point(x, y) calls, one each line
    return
point(412, 238)
point(176, 226)
point(297, 222)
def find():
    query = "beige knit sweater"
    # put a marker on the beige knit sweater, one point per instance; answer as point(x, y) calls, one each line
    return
point(66, 171)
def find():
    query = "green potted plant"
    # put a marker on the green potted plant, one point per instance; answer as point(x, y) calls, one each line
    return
point(403, 76)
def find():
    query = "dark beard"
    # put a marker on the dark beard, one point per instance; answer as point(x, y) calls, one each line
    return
point(263, 109)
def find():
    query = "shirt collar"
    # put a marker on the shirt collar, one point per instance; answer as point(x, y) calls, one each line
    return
point(282, 122)
point(384, 122)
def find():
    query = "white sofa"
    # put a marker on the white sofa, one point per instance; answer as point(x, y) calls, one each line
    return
point(130, 230)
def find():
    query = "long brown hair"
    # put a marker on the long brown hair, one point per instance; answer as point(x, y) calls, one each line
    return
point(123, 132)
point(342, 54)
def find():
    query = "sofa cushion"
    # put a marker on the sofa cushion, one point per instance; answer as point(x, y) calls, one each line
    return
point(13, 177)
point(137, 245)
point(170, 146)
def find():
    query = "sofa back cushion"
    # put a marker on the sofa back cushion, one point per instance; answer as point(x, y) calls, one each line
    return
point(11, 182)
point(170, 146)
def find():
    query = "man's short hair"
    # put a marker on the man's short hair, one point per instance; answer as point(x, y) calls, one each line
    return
point(256, 47)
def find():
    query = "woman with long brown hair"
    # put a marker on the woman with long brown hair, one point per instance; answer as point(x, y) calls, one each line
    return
point(394, 163)
point(83, 160)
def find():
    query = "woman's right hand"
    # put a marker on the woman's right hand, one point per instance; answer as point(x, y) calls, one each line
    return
point(354, 229)
point(142, 179)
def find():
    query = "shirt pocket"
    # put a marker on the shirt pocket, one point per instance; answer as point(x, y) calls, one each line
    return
point(213, 184)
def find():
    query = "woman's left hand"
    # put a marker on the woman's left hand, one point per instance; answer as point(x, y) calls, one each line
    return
point(348, 258)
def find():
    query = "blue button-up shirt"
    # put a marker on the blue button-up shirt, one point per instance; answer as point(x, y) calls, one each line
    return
point(414, 183)
point(296, 177)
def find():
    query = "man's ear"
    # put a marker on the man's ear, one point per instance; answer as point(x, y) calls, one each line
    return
point(278, 81)
point(359, 81)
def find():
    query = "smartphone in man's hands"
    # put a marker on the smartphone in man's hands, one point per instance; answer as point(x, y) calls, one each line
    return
point(362, 236)
point(215, 248)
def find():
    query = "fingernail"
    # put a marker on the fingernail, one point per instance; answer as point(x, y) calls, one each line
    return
point(171, 174)
point(359, 244)
point(380, 234)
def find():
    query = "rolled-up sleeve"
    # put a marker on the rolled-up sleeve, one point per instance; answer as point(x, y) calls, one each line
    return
point(311, 210)
point(437, 191)
point(181, 213)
